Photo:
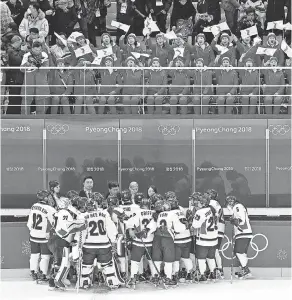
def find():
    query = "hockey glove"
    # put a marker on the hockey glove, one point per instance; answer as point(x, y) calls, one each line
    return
point(189, 215)
point(234, 221)
point(142, 234)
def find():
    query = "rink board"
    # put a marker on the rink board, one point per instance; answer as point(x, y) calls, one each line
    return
point(270, 247)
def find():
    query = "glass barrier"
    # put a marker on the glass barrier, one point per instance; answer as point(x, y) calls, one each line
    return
point(233, 156)
point(147, 90)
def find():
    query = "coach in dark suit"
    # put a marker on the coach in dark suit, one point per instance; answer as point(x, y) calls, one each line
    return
point(87, 187)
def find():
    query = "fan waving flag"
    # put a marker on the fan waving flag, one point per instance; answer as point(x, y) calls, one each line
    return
point(287, 26)
point(64, 42)
point(137, 55)
point(286, 49)
point(216, 29)
point(222, 49)
point(170, 35)
point(104, 52)
point(249, 32)
point(150, 26)
point(266, 51)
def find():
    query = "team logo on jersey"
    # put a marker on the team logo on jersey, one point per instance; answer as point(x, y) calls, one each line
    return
point(58, 128)
point(279, 129)
point(258, 243)
point(168, 129)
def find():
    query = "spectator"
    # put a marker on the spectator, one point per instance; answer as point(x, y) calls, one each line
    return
point(4, 63)
point(14, 76)
point(274, 44)
point(228, 78)
point(11, 31)
point(231, 8)
point(34, 18)
point(250, 90)
point(131, 45)
point(64, 18)
point(110, 86)
point(202, 89)
point(132, 79)
point(183, 10)
point(5, 17)
point(155, 94)
point(125, 15)
point(180, 45)
point(181, 82)
point(96, 18)
point(159, 10)
point(17, 10)
point(161, 49)
point(140, 9)
point(35, 80)
point(275, 10)
point(59, 50)
point(274, 86)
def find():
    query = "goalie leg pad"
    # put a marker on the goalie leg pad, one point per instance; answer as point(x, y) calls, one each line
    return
point(86, 275)
point(120, 246)
point(110, 274)
point(64, 268)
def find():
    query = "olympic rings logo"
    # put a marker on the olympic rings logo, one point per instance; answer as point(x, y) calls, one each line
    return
point(169, 129)
point(279, 129)
point(58, 128)
point(254, 246)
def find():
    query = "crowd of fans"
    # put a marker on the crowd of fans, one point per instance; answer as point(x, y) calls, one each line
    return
point(72, 34)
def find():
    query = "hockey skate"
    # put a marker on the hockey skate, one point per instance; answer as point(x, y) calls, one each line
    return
point(41, 278)
point(203, 279)
point(169, 283)
point(219, 273)
point(196, 276)
point(33, 275)
point(238, 273)
point(155, 280)
point(189, 278)
point(132, 282)
point(245, 274)
point(182, 276)
point(212, 277)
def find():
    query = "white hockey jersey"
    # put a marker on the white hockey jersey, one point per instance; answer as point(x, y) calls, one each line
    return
point(101, 231)
point(40, 221)
point(129, 210)
point(143, 220)
point(184, 236)
point(220, 217)
point(244, 229)
point(66, 226)
point(208, 230)
point(168, 224)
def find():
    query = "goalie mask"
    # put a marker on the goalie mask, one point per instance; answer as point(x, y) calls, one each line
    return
point(63, 203)
point(126, 197)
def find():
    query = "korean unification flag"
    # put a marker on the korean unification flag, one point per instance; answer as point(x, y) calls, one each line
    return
point(286, 49)
point(82, 51)
point(251, 31)
point(178, 52)
point(266, 51)
point(216, 29)
point(275, 25)
point(121, 26)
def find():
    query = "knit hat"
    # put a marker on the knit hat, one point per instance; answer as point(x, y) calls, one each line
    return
point(13, 26)
point(104, 34)
point(108, 58)
point(272, 34)
point(130, 58)
point(34, 30)
point(226, 58)
point(155, 59)
point(133, 35)
point(201, 35)
point(224, 34)
point(160, 34)
point(200, 59)
point(79, 36)
point(15, 39)
point(274, 58)
point(249, 59)
point(179, 58)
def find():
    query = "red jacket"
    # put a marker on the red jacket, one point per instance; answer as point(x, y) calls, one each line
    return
point(132, 78)
point(229, 78)
point(180, 78)
point(274, 78)
point(202, 82)
point(164, 53)
point(156, 77)
point(205, 52)
point(109, 82)
point(251, 78)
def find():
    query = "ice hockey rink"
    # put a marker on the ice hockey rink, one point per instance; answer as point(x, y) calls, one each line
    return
point(239, 289)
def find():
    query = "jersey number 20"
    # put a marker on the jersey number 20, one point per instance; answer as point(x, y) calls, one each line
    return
point(97, 228)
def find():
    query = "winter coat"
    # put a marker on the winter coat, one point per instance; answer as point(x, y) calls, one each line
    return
point(276, 78)
point(179, 78)
point(206, 52)
point(62, 83)
point(231, 53)
point(226, 77)
point(64, 21)
point(116, 52)
point(40, 22)
point(279, 53)
point(17, 11)
point(250, 78)
point(230, 5)
point(36, 80)
point(212, 7)
point(126, 49)
point(109, 82)
point(132, 78)
point(180, 11)
point(15, 57)
point(156, 77)
point(84, 83)
point(202, 82)
point(249, 51)
point(5, 17)
point(275, 10)
point(164, 53)
point(6, 37)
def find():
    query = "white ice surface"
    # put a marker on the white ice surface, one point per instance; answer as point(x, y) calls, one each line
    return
point(248, 290)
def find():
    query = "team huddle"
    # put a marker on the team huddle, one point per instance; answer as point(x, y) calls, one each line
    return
point(126, 238)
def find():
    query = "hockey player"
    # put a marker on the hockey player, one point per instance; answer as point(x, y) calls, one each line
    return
point(97, 244)
point(141, 229)
point(242, 233)
point(221, 228)
point(40, 222)
point(66, 225)
point(182, 242)
point(206, 221)
point(168, 224)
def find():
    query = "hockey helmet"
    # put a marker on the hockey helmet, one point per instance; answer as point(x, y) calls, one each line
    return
point(154, 198)
point(138, 198)
point(145, 203)
point(63, 203)
point(169, 194)
point(158, 206)
point(230, 201)
point(79, 203)
point(112, 201)
point(213, 194)
point(90, 205)
point(46, 197)
point(204, 201)
point(71, 194)
point(126, 197)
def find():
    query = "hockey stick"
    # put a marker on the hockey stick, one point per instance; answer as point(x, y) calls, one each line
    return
point(126, 254)
point(79, 264)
